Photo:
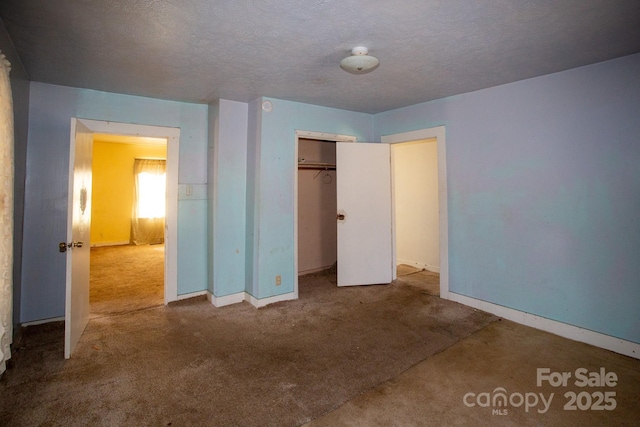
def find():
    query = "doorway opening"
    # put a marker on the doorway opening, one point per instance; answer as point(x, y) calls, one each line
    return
point(127, 223)
point(431, 135)
point(317, 207)
point(315, 201)
point(77, 307)
point(414, 167)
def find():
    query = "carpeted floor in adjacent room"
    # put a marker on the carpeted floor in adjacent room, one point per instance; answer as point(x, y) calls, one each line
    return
point(126, 278)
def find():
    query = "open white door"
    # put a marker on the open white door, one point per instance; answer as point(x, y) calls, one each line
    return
point(77, 246)
point(363, 175)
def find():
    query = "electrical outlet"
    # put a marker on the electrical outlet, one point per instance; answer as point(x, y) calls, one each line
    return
point(278, 280)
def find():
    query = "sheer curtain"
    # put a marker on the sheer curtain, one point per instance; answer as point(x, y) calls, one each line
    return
point(149, 200)
point(6, 213)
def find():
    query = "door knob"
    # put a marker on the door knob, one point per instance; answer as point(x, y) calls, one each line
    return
point(62, 246)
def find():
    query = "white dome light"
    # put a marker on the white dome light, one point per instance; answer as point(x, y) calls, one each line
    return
point(359, 62)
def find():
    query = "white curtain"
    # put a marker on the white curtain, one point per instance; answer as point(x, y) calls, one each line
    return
point(149, 200)
point(6, 213)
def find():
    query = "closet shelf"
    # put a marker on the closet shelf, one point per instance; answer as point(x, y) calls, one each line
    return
point(317, 166)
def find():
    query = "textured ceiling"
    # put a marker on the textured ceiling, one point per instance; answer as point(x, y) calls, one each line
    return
point(202, 50)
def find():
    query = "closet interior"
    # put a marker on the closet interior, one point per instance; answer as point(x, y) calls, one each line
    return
point(317, 206)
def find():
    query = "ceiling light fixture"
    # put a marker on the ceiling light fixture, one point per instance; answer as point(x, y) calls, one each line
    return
point(359, 62)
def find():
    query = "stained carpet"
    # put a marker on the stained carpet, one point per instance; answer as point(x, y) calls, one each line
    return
point(194, 364)
point(425, 279)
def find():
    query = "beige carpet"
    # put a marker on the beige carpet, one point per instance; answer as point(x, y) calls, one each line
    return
point(502, 355)
point(193, 364)
point(126, 278)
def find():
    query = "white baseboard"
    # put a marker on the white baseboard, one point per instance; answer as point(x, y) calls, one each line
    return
point(245, 296)
point(225, 300)
point(117, 243)
point(257, 303)
point(428, 267)
point(565, 330)
point(43, 321)
point(191, 295)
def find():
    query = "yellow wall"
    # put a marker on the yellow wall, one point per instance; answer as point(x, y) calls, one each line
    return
point(112, 198)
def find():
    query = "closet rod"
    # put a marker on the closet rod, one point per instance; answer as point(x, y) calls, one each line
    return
point(317, 166)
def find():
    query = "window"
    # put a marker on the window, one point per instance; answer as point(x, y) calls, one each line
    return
point(151, 195)
point(147, 221)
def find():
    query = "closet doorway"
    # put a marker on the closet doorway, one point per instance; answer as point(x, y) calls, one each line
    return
point(361, 215)
point(317, 206)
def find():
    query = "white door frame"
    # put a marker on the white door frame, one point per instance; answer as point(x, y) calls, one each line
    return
point(439, 134)
point(323, 136)
point(171, 220)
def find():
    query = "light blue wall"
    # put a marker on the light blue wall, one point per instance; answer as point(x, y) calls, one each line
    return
point(228, 182)
point(544, 193)
point(272, 182)
point(45, 219)
point(543, 181)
